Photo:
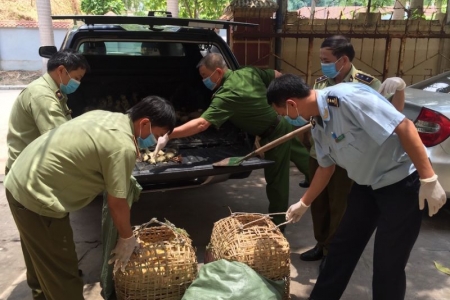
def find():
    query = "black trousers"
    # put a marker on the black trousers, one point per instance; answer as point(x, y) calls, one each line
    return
point(394, 212)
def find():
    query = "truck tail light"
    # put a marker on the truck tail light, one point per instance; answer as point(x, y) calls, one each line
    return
point(433, 127)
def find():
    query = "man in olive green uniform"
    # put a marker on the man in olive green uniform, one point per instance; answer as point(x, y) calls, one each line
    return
point(241, 98)
point(42, 105)
point(62, 171)
point(336, 55)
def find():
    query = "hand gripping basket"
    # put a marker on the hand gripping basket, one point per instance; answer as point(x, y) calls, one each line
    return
point(164, 267)
point(255, 240)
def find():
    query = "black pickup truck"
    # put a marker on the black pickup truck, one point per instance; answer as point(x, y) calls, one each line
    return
point(133, 57)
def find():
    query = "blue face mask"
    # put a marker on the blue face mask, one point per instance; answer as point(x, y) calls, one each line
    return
point(70, 87)
point(148, 141)
point(329, 69)
point(297, 122)
point(209, 83)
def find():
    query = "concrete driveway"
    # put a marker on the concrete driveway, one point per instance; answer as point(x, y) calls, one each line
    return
point(196, 210)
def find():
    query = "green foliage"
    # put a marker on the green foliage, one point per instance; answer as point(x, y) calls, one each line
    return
point(410, 13)
point(324, 3)
point(296, 4)
point(381, 3)
point(101, 7)
point(132, 5)
point(199, 9)
point(202, 9)
point(153, 5)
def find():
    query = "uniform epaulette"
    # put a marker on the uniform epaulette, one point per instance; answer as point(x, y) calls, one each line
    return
point(321, 78)
point(58, 94)
point(333, 101)
point(364, 78)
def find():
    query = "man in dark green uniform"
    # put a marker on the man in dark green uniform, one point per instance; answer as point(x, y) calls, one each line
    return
point(241, 98)
point(336, 56)
point(42, 105)
point(62, 171)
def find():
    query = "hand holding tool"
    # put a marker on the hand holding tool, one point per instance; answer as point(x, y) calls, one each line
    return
point(296, 211)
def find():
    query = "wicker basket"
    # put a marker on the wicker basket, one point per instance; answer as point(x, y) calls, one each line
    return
point(252, 239)
point(164, 268)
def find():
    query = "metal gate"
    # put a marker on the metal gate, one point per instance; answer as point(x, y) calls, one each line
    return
point(411, 49)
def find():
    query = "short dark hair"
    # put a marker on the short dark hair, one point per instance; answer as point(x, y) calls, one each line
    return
point(339, 46)
point(285, 87)
point(70, 59)
point(160, 112)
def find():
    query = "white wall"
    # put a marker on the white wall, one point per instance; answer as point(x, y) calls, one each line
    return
point(19, 48)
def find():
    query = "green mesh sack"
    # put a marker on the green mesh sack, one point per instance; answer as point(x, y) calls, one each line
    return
point(226, 280)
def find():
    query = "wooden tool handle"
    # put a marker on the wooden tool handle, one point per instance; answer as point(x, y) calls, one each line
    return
point(282, 139)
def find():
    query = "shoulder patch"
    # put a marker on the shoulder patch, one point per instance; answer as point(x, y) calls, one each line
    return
point(59, 95)
point(333, 101)
point(364, 78)
point(321, 78)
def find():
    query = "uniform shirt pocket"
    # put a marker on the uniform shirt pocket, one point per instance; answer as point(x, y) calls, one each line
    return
point(349, 149)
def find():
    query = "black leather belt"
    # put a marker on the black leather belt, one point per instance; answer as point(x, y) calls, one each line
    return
point(271, 128)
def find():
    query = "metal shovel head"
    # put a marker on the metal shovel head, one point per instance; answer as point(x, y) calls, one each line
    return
point(236, 161)
point(229, 162)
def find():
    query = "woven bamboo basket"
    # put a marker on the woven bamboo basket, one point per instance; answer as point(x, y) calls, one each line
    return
point(255, 240)
point(164, 267)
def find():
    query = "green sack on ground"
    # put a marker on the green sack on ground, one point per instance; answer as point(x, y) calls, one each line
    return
point(225, 280)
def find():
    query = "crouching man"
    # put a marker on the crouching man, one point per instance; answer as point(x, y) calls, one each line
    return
point(359, 130)
point(64, 170)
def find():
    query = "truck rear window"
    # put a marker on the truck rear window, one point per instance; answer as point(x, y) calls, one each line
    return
point(136, 48)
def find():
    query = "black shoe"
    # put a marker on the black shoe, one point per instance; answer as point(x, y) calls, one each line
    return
point(322, 263)
point(304, 184)
point(313, 254)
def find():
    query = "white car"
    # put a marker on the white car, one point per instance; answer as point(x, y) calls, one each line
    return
point(428, 106)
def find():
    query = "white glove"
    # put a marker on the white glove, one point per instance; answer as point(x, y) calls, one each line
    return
point(432, 191)
point(122, 252)
point(391, 85)
point(296, 211)
point(162, 142)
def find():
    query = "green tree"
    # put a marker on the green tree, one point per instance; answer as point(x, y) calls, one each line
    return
point(198, 9)
point(101, 7)
point(296, 4)
point(132, 5)
point(153, 5)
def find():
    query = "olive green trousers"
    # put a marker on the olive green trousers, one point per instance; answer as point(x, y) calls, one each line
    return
point(49, 253)
point(329, 207)
point(277, 174)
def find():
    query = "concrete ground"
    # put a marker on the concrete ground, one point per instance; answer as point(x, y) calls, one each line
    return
point(196, 210)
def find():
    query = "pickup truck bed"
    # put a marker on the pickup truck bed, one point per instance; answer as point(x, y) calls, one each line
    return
point(117, 82)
